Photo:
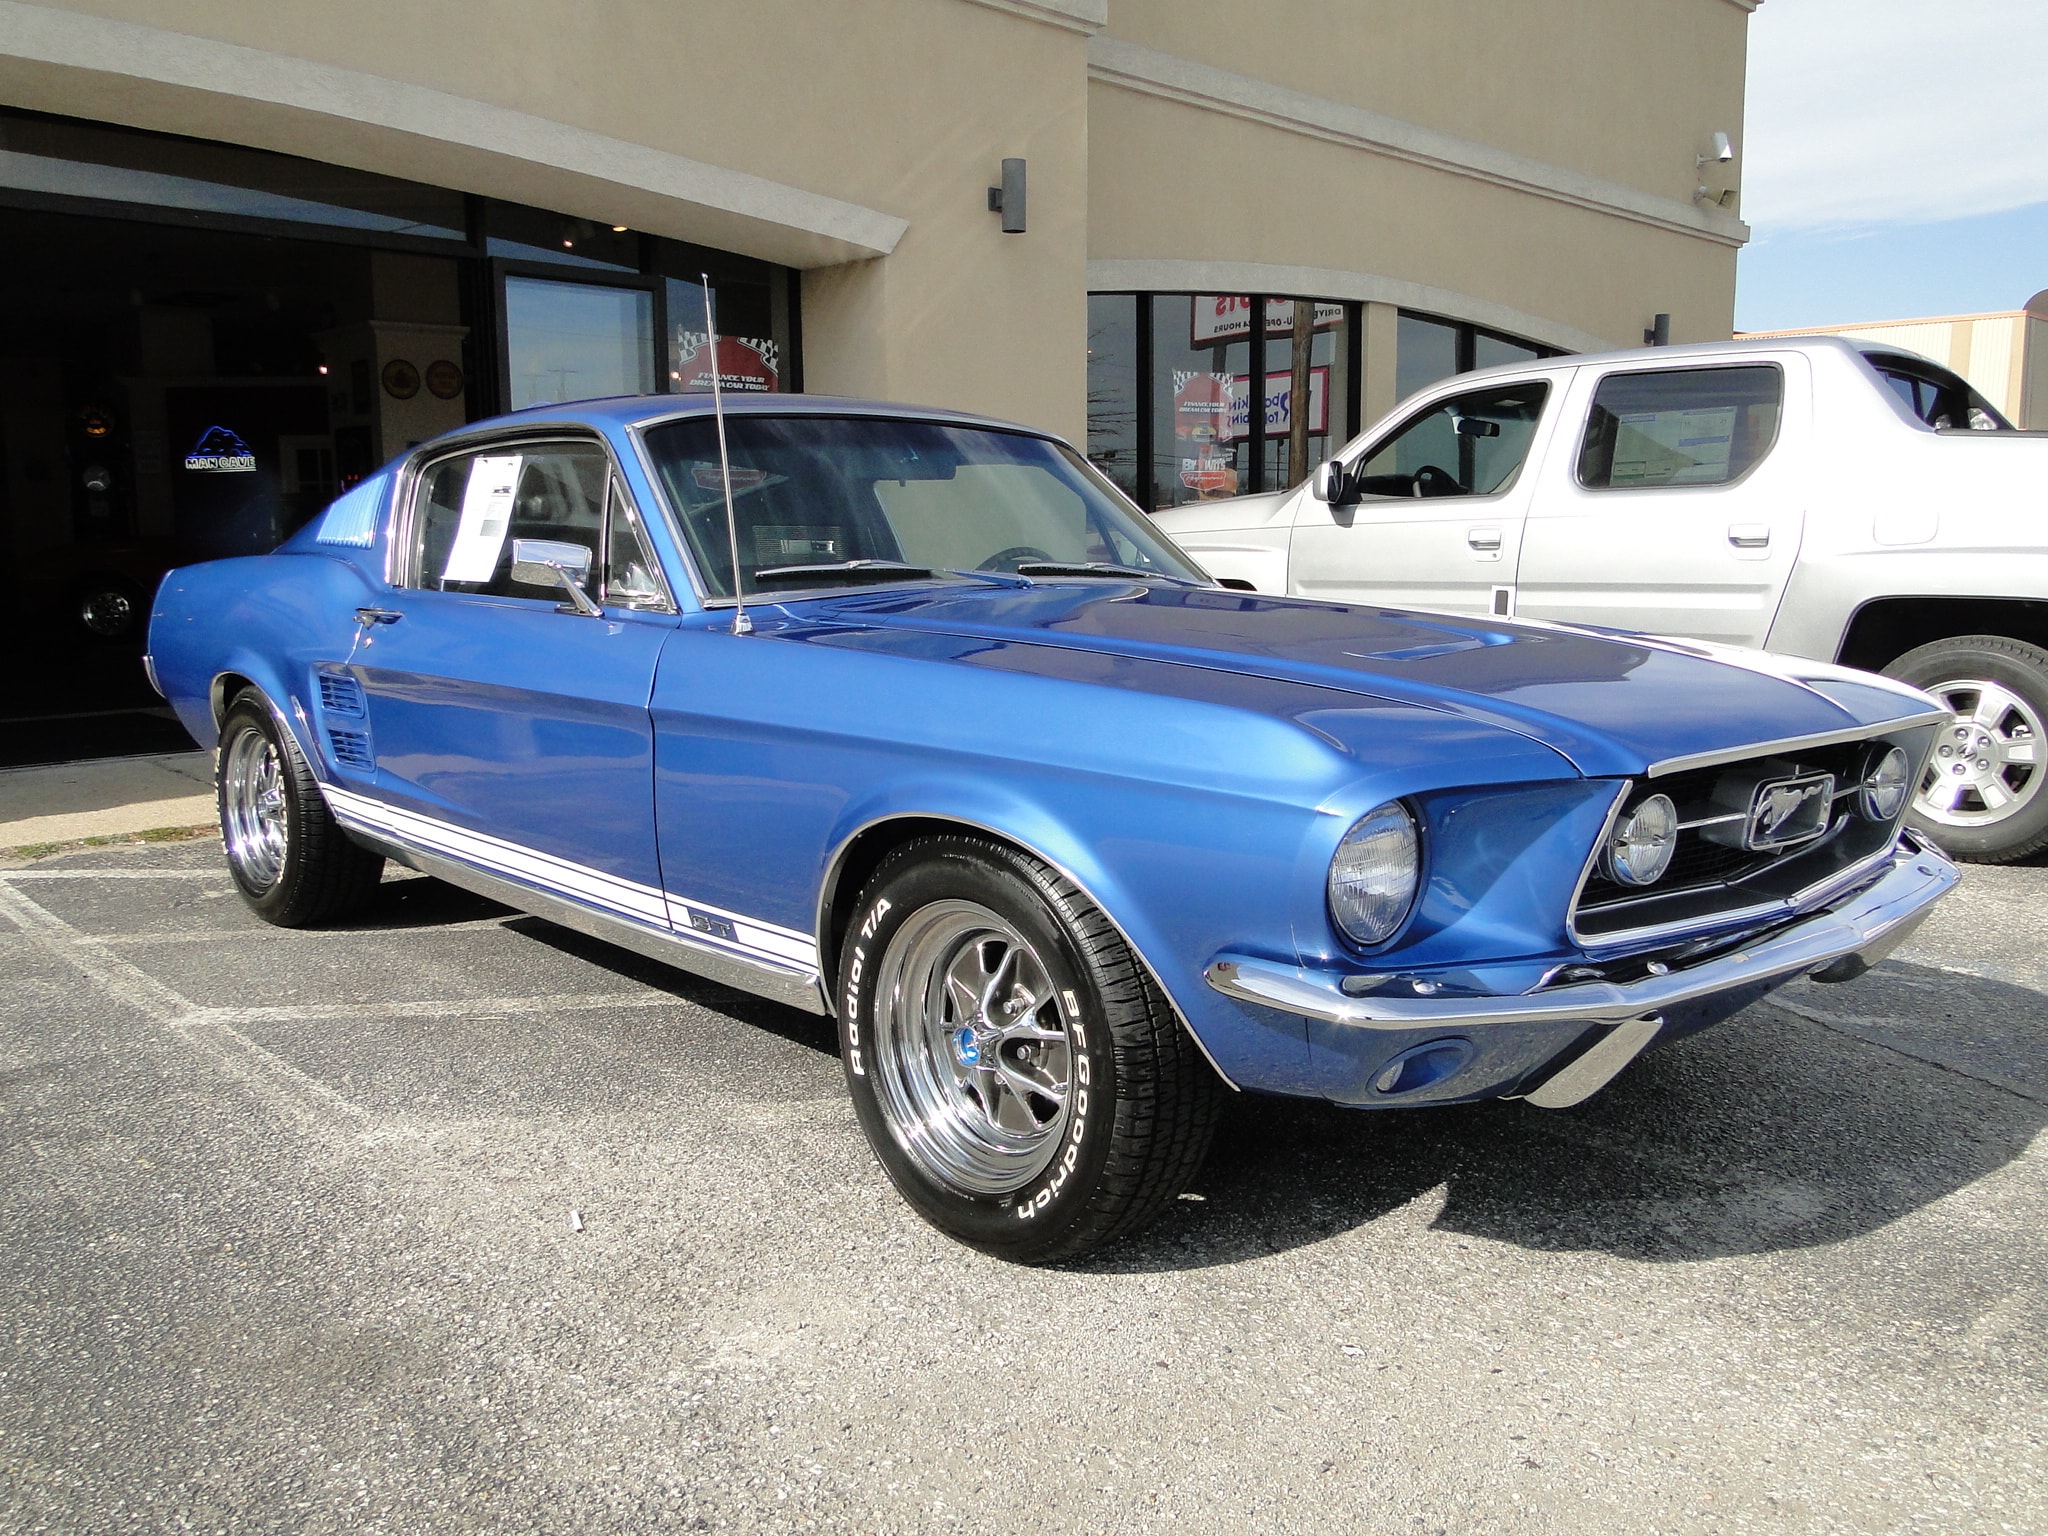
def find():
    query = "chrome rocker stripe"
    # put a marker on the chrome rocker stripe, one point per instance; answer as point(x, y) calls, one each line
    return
point(748, 938)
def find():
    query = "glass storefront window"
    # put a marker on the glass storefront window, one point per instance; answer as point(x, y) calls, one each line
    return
point(1201, 444)
point(533, 234)
point(1424, 351)
point(58, 157)
point(750, 357)
point(1329, 384)
point(1113, 388)
point(576, 341)
point(1494, 351)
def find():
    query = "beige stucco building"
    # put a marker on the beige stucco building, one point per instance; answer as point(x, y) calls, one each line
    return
point(328, 230)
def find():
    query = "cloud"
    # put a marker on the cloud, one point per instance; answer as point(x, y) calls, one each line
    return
point(1879, 112)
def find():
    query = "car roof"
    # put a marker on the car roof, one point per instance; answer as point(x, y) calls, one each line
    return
point(621, 411)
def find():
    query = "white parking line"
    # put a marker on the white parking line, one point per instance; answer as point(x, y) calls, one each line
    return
point(14, 876)
point(322, 1111)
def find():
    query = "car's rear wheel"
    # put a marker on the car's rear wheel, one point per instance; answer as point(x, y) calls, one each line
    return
point(1984, 796)
point(1021, 1078)
point(290, 860)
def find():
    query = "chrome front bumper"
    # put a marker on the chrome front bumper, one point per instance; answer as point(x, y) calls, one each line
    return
point(1860, 929)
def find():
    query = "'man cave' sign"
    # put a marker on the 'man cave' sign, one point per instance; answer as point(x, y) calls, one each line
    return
point(220, 452)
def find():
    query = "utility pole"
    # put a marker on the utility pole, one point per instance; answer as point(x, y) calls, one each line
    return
point(1297, 391)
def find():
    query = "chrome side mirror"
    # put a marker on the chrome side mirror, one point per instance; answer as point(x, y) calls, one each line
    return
point(1332, 484)
point(547, 563)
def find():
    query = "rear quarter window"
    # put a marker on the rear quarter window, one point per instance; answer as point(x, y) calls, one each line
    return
point(1680, 426)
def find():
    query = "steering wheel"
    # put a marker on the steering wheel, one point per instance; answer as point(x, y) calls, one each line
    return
point(1016, 555)
point(1431, 481)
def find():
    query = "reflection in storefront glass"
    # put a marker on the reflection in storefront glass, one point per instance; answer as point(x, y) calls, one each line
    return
point(577, 341)
point(1113, 388)
point(1425, 351)
point(1328, 392)
point(1201, 348)
point(750, 359)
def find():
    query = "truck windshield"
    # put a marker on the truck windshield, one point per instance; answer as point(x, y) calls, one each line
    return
point(821, 501)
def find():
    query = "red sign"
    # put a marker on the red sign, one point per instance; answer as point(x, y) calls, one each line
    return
point(745, 364)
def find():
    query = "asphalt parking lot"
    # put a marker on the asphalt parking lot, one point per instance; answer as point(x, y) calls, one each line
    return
point(289, 1246)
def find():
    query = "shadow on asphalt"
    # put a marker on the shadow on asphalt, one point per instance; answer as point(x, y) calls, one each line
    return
point(1769, 1132)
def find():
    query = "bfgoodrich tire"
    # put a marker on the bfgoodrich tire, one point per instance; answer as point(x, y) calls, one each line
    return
point(1019, 1075)
point(1985, 794)
point(291, 862)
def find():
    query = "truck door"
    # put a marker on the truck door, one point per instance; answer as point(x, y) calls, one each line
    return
point(1673, 506)
point(1437, 517)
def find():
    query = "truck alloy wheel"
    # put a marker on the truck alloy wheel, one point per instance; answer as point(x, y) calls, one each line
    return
point(1984, 796)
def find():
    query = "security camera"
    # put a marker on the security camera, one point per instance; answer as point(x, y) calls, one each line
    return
point(1721, 151)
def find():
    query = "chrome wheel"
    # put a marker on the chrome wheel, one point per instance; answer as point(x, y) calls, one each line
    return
point(252, 799)
point(1987, 766)
point(973, 1057)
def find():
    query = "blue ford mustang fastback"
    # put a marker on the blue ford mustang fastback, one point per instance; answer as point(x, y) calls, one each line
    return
point(1068, 838)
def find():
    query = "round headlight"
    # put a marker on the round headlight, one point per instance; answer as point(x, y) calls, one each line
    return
point(1639, 849)
point(1887, 784)
point(1372, 877)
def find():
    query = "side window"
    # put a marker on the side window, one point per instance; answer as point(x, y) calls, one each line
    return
point(472, 507)
point(1680, 426)
point(1469, 445)
point(1945, 402)
point(632, 576)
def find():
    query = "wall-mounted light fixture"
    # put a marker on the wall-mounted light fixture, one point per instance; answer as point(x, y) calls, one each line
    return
point(1008, 199)
point(1658, 334)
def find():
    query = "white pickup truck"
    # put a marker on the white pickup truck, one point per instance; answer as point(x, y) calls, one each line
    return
point(1818, 497)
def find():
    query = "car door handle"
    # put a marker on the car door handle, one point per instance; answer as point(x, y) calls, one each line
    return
point(370, 618)
point(1749, 535)
point(1483, 538)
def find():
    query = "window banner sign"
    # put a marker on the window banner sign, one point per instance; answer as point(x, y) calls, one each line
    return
point(745, 363)
point(1279, 405)
point(1200, 408)
point(1221, 317)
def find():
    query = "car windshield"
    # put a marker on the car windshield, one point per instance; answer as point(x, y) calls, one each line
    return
point(837, 500)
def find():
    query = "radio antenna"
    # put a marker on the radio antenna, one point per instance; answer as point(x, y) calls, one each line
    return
point(741, 624)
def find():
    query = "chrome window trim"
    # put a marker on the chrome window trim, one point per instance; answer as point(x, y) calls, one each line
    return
point(1796, 743)
point(401, 571)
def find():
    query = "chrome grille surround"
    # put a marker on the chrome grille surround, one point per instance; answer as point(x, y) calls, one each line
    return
point(1716, 885)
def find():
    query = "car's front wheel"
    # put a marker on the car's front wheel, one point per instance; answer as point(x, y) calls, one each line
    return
point(1984, 796)
point(290, 860)
point(1019, 1075)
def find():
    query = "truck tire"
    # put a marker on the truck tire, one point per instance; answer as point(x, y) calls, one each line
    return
point(1984, 797)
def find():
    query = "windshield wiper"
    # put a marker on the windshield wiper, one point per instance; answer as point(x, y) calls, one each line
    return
point(1097, 568)
point(876, 570)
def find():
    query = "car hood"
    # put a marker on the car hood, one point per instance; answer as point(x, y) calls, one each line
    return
point(1611, 704)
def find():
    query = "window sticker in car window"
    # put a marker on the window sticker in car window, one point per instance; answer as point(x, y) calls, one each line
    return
point(486, 515)
point(1674, 447)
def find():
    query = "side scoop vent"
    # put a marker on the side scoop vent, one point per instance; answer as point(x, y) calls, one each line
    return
point(351, 749)
point(341, 694)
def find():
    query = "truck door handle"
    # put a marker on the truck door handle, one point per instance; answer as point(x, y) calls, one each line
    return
point(1483, 538)
point(370, 618)
point(1749, 535)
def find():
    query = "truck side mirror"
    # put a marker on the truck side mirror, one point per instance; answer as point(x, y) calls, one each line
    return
point(1331, 483)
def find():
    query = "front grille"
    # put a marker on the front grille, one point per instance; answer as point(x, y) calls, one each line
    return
point(1710, 878)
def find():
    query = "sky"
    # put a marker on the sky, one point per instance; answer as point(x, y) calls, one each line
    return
point(1894, 160)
